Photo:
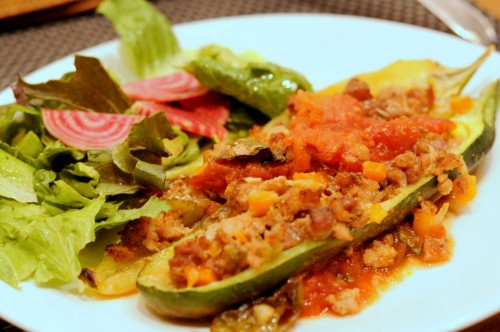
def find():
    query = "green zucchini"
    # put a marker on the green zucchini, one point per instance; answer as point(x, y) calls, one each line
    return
point(204, 301)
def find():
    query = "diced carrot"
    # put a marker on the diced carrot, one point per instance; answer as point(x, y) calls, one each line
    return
point(197, 276)
point(191, 274)
point(312, 180)
point(260, 201)
point(374, 170)
point(422, 222)
point(241, 235)
point(464, 191)
point(205, 276)
point(461, 104)
point(214, 249)
point(377, 213)
point(437, 231)
point(425, 224)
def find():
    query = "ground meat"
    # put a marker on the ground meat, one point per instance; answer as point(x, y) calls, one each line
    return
point(179, 188)
point(435, 250)
point(358, 89)
point(266, 210)
point(346, 302)
point(393, 102)
point(150, 234)
point(380, 254)
point(420, 100)
point(410, 164)
point(321, 220)
point(445, 185)
point(397, 176)
point(245, 240)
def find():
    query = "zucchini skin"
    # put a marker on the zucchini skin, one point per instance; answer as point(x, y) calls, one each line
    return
point(204, 301)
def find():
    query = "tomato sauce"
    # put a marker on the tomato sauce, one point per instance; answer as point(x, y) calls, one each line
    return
point(338, 132)
point(334, 131)
point(216, 175)
point(349, 271)
point(344, 271)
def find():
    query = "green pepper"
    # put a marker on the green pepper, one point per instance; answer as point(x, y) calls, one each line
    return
point(262, 85)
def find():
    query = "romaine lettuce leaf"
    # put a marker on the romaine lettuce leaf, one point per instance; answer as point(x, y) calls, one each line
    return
point(149, 47)
point(52, 190)
point(33, 242)
point(16, 178)
point(18, 120)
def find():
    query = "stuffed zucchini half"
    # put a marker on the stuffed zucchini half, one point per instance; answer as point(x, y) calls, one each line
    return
point(477, 132)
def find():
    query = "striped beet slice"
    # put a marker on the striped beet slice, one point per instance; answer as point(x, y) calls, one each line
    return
point(211, 104)
point(187, 120)
point(177, 86)
point(88, 131)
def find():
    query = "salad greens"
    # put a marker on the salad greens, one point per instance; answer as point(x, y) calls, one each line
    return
point(16, 178)
point(90, 88)
point(149, 47)
point(55, 199)
point(35, 242)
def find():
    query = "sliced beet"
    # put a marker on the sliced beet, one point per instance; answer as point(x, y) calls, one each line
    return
point(87, 130)
point(174, 87)
point(189, 121)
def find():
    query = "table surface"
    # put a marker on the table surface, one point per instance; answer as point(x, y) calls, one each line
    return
point(24, 49)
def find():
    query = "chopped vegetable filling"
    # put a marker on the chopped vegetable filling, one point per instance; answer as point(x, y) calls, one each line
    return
point(342, 159)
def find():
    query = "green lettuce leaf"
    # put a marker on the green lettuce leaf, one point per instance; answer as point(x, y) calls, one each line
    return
point(16, 121)
point(112, 180)
point(16, 178)
point(52, 190)
point(90, 88)
point(150, 133)
point(153, 207)
point(148, 143)
point(33, 242)
point(149, 47)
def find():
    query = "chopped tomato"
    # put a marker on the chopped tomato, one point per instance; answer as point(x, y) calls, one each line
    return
point(215, 176)
point(391, 138)
point(435, 125)
point(327, 129)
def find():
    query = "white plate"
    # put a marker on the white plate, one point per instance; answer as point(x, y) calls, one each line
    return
point(325, 48)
